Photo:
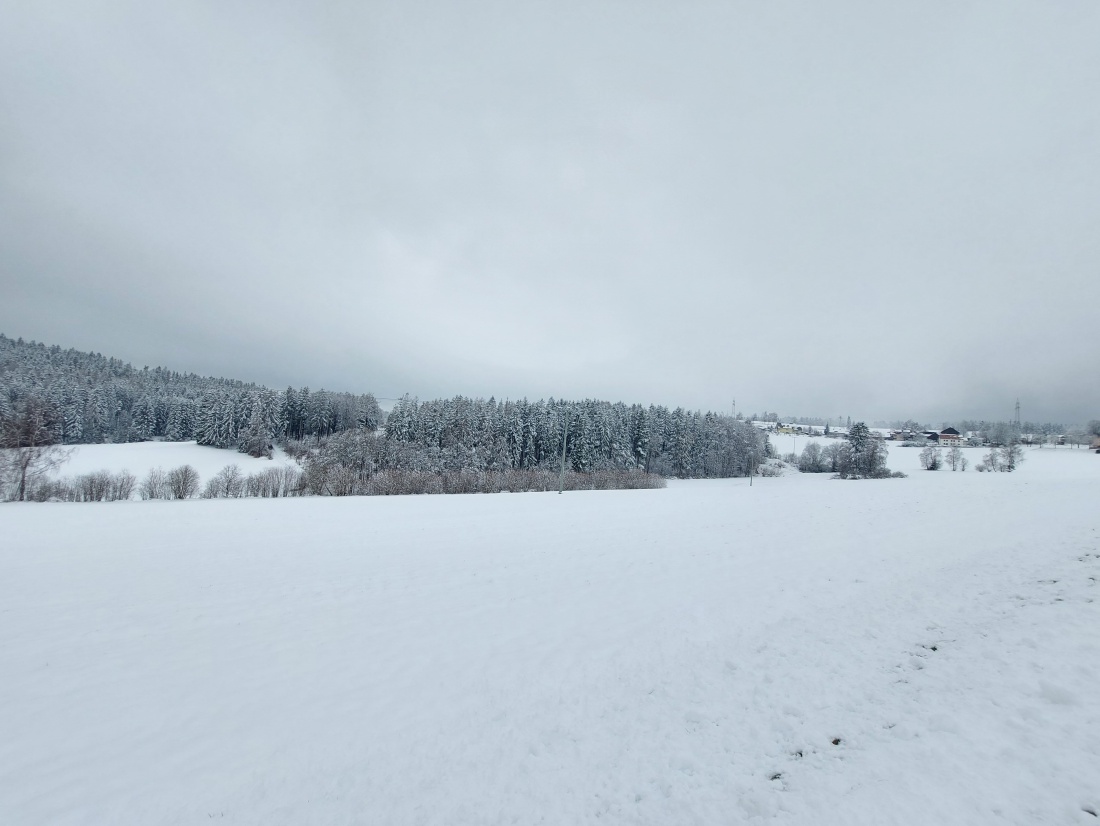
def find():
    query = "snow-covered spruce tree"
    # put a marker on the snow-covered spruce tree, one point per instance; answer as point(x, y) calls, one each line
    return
point(257, 437)
point(143, 426)
point(865, 457)
point(173, 427)
point(401, 424)
point(206, 423)
point(72, 412)
point(639, 435)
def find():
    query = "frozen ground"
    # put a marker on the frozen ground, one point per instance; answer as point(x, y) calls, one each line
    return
point(911, 651)
point(141, 457)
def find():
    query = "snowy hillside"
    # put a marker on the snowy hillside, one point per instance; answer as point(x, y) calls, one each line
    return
point(804, 651)
point(141, 457)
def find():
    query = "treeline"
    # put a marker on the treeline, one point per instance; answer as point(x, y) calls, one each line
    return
point(328, 479)
point(1005, 432)
point(79, 398)
point(859, 456)
point(230, 482)
point(91, 399)
point(453, 434)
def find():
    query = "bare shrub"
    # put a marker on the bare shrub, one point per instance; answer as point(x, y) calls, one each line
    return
point(297, 450)
point(94, 486)
point(183, 482)
point(154, 485)
point(122, 486)
point(102, 486)
point(98, 486)
point(290, 481)
point(314, 478)
point(268, 483)
point(340, 481)
point(50, 490)
point(227, 483)
point(405, 482)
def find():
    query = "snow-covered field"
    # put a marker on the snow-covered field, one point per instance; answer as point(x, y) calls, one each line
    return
point(141, 457)
point(915, 651)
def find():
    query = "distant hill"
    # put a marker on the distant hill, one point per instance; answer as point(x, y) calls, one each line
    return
point(93, 399)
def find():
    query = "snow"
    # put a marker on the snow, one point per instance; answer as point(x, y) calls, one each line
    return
point(686, 655)
point(1042, 461)
point(141, 457)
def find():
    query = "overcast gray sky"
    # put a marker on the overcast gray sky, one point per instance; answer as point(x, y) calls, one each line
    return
point(849, 208)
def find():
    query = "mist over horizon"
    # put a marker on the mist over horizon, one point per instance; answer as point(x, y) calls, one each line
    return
point(386, 402)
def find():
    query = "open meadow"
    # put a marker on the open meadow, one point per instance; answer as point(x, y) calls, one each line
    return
point(805, 650)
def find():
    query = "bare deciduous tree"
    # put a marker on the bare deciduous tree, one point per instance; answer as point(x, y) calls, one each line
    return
point(1011, 455)
point(931, 458)
point(811, 460)
point(27, 449)
point(1004, 459)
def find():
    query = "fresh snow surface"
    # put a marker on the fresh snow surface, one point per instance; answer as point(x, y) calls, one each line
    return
point(804, 651)
point(907, 459)
point(141, 457)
